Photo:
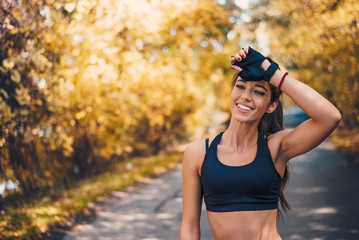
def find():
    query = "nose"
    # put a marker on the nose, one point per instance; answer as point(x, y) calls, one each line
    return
point(247, 95)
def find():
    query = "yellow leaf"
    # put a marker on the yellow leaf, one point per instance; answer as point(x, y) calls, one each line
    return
point(8, 63)
point(80, 115)
point(2, 142)
point(4, 93)
point(15, 76)
point(70, 6)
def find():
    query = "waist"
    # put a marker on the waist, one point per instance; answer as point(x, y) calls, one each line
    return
point(244, 225)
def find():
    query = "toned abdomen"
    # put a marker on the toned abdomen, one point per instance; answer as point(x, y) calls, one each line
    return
point(244, 225)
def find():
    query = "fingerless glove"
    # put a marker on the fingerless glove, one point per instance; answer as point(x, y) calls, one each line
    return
point(251, 67)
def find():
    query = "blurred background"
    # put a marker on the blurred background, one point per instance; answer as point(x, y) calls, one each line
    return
point(88, 84)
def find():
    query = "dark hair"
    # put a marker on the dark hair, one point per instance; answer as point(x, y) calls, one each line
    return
point(271, 123)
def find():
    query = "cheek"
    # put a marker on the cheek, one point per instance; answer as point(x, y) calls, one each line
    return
point(263, 103)
point(233, 95)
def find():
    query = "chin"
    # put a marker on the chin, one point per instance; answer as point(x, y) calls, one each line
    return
point(242, 118)
point(245, 117)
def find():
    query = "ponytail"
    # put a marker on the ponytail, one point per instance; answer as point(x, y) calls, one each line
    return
point(271, 123)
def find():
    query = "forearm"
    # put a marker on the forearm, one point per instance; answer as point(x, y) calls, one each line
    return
point(318, 108)
point(190, 232)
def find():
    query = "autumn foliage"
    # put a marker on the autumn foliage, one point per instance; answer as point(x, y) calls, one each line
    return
point(87, 83)
point(319, 40)
point(84, 84)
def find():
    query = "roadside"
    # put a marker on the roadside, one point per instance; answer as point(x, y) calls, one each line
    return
point(49, 217)
point(150, 211)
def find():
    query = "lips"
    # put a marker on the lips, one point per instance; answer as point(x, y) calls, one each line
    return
point(244, 107)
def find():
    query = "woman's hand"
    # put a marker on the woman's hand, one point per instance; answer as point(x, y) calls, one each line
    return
point(238, 57)
point(252, 65)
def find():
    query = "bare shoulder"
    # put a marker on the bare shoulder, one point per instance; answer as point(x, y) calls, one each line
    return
point(278, 136)
point(194, 154)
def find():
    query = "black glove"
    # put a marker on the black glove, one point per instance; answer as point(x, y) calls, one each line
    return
point(251, 67)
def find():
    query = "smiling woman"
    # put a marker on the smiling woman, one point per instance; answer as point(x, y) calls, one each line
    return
point(271, 122)
point(241, 173)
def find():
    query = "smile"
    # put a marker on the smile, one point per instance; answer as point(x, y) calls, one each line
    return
point(246, 108)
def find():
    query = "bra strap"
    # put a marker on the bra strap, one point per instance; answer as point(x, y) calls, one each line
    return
point(207, 147)
point(214, 143)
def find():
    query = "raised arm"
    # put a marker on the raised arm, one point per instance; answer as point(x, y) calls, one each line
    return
point(324, 117)
point(192, 194)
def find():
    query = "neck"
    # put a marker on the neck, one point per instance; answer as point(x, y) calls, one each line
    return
point(240, 134)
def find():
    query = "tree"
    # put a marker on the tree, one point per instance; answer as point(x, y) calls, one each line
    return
point(87, 83)
point(319, 41)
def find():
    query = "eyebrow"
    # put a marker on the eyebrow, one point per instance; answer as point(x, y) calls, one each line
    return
point(257, 85)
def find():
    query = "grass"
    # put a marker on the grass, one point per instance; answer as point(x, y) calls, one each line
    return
point(33, 219)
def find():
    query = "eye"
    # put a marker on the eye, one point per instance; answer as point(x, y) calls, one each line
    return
point(240, 86)
point(259, 93)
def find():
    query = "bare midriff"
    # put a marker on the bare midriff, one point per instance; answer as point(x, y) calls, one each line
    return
point(244, 225)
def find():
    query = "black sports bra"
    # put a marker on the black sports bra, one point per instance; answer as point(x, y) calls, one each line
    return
point(255, 186)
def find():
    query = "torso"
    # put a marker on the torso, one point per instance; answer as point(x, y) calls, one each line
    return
point(242, 225)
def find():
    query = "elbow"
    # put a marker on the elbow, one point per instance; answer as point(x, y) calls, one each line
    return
point(329, 120)
point(335, 119)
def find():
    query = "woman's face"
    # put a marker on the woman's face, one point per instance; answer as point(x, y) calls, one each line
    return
point(250, 100)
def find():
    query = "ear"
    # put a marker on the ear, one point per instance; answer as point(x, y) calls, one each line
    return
point(271, 107)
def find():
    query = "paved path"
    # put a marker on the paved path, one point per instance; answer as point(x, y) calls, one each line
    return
point(324, 191)
point(152, 211)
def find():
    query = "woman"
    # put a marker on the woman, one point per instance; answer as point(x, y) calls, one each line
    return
point(242, 172)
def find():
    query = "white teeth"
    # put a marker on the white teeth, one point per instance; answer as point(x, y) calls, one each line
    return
point(243, 107)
